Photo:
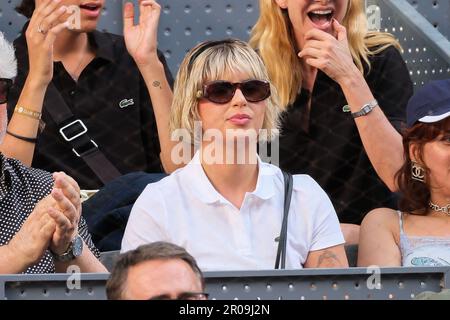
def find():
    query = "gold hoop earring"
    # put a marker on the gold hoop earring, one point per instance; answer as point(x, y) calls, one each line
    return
point(417, 172)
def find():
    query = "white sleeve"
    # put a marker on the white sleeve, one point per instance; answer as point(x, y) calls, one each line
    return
point(326, 229)
point(146, 223)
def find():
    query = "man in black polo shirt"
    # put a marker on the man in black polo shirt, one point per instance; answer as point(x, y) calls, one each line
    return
point(99, 82)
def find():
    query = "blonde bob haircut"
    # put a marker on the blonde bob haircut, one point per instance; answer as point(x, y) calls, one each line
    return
point(215, 60)
point(273, 36)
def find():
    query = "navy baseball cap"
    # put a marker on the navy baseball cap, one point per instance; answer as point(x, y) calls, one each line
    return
point(429, 104)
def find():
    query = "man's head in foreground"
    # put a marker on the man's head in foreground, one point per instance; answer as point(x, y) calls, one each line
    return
point(159, 270)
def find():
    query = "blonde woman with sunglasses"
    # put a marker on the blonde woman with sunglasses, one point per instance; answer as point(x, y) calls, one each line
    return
point(226, 205)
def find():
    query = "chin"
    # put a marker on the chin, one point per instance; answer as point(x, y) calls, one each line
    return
point(88, 26)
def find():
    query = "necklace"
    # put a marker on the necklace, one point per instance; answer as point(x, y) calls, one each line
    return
point(444, 209)
point(74, 74)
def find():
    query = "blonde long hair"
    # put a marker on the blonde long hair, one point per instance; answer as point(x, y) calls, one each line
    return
point(273, 36)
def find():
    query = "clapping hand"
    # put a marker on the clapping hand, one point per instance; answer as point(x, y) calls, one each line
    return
point(65, 211)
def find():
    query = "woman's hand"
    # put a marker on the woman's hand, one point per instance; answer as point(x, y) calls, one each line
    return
point(41, 34)
point(329, 54)
point(141, 39)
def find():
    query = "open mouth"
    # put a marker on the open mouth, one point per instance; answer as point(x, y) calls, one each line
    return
point(90, 7)
point(321, 17)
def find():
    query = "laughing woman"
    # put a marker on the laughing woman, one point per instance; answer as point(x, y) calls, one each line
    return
point(227, 211)
point(344, 91)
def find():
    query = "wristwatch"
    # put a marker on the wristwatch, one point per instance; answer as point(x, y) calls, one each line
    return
point(365, 109)
point(74, 250)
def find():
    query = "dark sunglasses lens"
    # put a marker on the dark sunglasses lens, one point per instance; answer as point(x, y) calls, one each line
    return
point(255, 90)
point(220, 92)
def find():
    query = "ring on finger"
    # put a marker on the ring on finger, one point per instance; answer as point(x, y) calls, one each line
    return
point(40, 30)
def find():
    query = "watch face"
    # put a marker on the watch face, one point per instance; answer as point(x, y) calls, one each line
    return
point(77, 246)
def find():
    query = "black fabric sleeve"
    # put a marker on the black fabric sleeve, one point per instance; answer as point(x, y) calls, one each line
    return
point(391, 85)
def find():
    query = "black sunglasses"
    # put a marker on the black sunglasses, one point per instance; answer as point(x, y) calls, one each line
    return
point(5, 86)
point(223, 91)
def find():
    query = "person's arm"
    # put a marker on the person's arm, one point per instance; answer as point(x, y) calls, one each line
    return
point(9, 263)
point(87, 262)
point(66, 213)
point(40, 52)
point(382, 142)
point(326, 248)
point(350, 232)
point(377, 244)
point(141, 42)
point(333, 257)
point(28, 245)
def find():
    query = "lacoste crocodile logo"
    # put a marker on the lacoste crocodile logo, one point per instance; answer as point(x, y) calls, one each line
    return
point(126, 103)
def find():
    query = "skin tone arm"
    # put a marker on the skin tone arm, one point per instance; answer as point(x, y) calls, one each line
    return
point(28, 245)
point(40, 51)
point(332, 257)
point(377, 243)
point(52, 225)
point(141, 42)
point(383, 144)
point(350, 232)
point(66, 215)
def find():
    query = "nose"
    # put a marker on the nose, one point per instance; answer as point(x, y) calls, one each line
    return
point(239, 99)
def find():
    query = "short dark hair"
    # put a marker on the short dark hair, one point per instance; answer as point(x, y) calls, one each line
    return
point(415, 195)
point(147, 252)
point(26, 8)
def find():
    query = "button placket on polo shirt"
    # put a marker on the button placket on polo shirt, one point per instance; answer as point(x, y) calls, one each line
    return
point(245, 236)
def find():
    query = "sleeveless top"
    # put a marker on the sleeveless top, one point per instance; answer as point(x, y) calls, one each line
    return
point(423, 251)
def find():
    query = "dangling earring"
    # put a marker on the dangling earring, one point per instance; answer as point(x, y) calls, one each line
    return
point(417, 172)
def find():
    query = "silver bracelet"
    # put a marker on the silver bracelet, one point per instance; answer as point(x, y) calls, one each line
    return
point(365, 109)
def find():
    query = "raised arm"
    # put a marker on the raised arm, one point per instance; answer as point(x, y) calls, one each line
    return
point(382, 142)
point(19, 142)
point(141, 42)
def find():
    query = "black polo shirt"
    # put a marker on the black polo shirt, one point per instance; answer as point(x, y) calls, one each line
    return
point(126, 133)
point(330, 149)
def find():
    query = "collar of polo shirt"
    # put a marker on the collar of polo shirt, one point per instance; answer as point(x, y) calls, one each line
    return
point(205, 191)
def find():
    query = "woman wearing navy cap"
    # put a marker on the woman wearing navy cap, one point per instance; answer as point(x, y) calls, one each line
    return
point(419, 233)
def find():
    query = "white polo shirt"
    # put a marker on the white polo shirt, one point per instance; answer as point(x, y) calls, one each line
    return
point(184, 208)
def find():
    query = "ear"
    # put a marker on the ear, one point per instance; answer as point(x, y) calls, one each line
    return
point(282, 3)
point(414, 152)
